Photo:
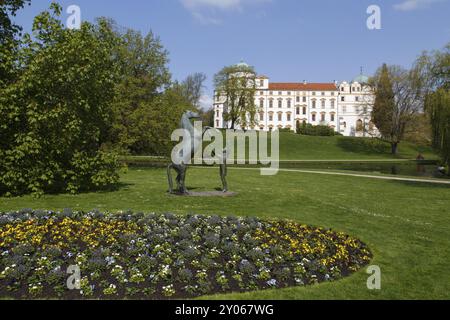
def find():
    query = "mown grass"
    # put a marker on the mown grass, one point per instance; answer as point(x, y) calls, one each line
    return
point(297, 147)
point(405, 224)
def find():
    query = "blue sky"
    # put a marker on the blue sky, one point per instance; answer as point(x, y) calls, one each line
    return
point(287, 40)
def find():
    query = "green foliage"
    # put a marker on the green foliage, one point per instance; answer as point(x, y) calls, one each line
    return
point(438, 107)
point(399, 98)
point(56, 116)
point(237, 85)
point(384, 106)
point(310, 130)
point(146, 107)
point(8, 39)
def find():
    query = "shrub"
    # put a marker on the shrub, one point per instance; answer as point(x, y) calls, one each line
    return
point(56, 116)
point(321, 130)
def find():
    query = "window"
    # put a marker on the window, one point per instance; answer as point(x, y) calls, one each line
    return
point(344, 109)
point(314, 103)
point(217, 123)
point(342, 89)
point(333, 117)
point(261, 116)
point(323, 93)
point(304, 110)
point(297, 99)
point(280, 117)
point(343, 99)
point(271, 93)
point(357, 99)
point(217, 114)
point(359, 126)
point(322, 117)
point(280, 103)
point(289, 103)
point(261, 93)
point(323, 104)
point(271, 103)
point(288, 93)
point(271, 117)
point(261, 83)
point(333, 103)
point(313, 117)
point(297, 112)
point(288, 117)
point(313, 93)
point(304, 99)
point(332, 93)
point(261, 103)
point(280, 93)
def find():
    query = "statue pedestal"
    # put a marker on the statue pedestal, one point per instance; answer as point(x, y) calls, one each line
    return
point(207, 194)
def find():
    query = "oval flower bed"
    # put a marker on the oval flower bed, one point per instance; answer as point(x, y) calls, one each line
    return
point(165, 256)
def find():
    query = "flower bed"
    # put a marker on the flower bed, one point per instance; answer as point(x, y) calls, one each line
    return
point(165, 256)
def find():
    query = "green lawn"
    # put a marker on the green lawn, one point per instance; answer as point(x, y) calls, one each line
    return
point(297, 147)
point(407, 225)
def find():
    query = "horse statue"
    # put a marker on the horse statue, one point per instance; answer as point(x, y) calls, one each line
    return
point(195, 143)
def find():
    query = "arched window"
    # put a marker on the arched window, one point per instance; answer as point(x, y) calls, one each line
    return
point(359, 125)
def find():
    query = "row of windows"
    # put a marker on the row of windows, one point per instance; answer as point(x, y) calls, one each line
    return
point(271, 127)
point(303, 110)
point(289, 103)
point(353, 89)
point(314, 117)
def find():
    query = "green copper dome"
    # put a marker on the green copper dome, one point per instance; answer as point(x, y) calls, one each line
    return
point(361, 79)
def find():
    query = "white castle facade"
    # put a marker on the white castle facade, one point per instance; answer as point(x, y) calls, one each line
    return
point(346, 107)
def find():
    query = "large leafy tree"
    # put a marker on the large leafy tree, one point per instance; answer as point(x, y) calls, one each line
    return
point(147, 105)
point(144, 76)
point(237, 86)
point(436, 71)
point(399, 98)
point(9, 42)
point(55, 117)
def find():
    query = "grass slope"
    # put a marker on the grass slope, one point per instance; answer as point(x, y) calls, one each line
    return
point(297, 147)
point(406, 225)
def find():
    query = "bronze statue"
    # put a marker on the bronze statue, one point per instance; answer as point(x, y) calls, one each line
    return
point(181, 168)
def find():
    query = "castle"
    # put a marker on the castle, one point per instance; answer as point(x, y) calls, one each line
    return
point(346, 107)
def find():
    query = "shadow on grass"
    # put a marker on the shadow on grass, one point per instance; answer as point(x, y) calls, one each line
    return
point(120, 186)
point(425, 185)
point(364, 146)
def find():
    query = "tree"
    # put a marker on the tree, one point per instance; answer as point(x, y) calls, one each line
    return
point(399, 97)
point(438, 107)
point(436, 71)
point(237, 85)
point(142, 62)
point(207, 117)
point(55, 117)
point(192, 88)
point(9, 33)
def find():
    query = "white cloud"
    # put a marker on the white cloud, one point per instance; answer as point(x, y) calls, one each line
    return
point(206, 102)
point(409, 5)
point(208, 11)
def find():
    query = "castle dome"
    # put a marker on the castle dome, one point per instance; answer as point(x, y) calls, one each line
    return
point(361, 79)
point(242, 64)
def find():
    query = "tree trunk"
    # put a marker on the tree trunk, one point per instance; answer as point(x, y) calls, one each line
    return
point(394, 148)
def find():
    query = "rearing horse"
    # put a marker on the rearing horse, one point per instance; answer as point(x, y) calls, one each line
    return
point(196, 142)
